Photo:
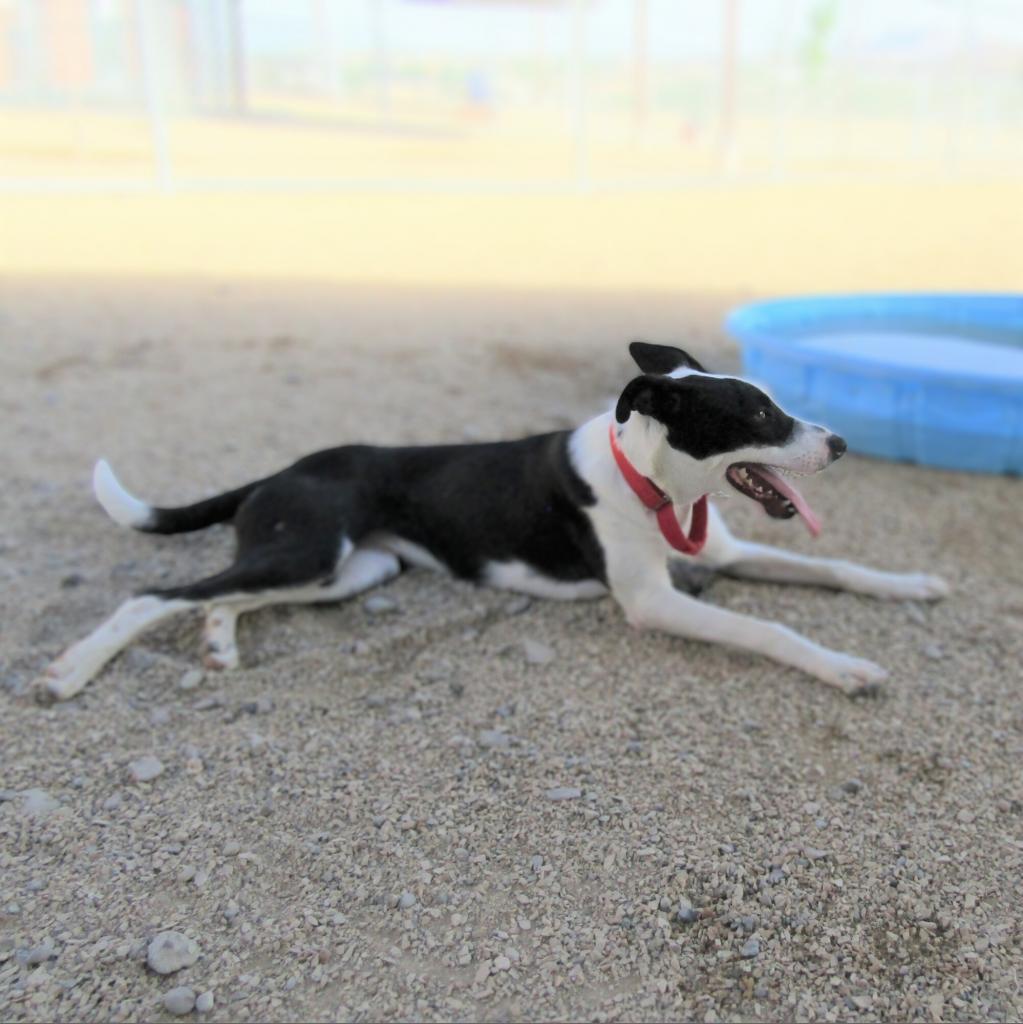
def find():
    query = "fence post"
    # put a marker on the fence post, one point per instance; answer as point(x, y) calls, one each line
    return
point(154, 99)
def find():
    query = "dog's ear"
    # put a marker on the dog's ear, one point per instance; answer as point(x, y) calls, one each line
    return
point(649, 396)
point(661, 358)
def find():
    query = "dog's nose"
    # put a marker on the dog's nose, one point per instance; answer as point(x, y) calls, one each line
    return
point(837, 446)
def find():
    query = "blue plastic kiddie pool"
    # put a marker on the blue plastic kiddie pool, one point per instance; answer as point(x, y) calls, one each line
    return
point(936, 379)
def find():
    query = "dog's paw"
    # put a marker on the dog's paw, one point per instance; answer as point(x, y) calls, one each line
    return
point(57, 683)
point(855, 677)
point(220, 661)
point(915, 587)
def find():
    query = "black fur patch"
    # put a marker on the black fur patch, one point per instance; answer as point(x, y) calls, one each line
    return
point(707, 415)
point(468, 505)
point(662, 359)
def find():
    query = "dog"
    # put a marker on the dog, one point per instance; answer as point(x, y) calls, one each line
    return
point(569, 515)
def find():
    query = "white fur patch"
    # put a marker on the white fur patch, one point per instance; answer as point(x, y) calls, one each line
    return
point(412, 553)
point(526, 580)
point(122, 507)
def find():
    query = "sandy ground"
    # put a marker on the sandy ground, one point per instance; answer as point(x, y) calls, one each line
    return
point(356, 824)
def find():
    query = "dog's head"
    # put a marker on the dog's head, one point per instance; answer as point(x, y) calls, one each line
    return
point(692, 431)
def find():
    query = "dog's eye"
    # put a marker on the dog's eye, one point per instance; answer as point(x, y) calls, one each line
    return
point(761, 414)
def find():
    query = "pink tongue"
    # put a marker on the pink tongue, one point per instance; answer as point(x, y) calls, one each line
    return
point(782, 486)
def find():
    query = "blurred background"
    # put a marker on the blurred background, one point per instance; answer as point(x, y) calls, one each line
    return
point(758, 145)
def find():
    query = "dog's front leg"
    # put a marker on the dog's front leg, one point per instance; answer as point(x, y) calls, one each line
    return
point(746, 560)
point(774, 565)
point(659, 606)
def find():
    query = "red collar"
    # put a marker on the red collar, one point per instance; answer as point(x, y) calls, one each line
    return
point(657, 501)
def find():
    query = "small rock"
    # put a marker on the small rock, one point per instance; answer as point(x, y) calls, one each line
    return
point(915, 613)
point(686, 913)
point(204, 1003)
point(482, 972)
point(179, 1001)
point(260, 706)
point(502, 963)
point(811, 853)
point(145, 769)
point(191, 679)
point(750, 949)
point(776, 877)
point(112, 802)
point(406, 900)
point(934, 652)
point(38, 802)
point(852, 786)
point(159, 716)
point(494, 739)
point(536, 863)
point(518, 605)
point(564, 793)
point(537, 653)
point(171, 951)
point(74, 579)
point(232, 848)
point(965, 816)
point(380, 604)
point(37, 954)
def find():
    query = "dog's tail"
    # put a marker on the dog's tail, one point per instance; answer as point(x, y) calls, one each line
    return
point(126, 509)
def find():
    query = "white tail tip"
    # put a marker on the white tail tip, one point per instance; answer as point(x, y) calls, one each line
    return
point(121, 506)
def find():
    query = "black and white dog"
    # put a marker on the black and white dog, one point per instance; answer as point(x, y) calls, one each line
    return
point(573, 514)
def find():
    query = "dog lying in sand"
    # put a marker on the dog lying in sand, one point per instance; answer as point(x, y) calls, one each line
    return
point(569, 515)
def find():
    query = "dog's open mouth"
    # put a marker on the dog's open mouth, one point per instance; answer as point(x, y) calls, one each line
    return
point(779, 498)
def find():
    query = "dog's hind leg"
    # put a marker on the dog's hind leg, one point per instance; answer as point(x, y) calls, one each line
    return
point(68, 674)
point(219, 641)
point(360, 570)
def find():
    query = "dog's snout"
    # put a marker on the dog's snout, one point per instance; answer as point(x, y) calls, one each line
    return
point(837, 446)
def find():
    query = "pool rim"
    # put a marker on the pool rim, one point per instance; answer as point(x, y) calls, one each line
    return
point(766, 324)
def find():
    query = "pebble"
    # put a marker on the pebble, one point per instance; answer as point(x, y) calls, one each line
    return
point(750, 949)
point(179, 1001)
point(38, 802)
point(380, 604)
point(204, 1003)
point(37, 954)
point(232, 848)
point(406, 900)
point(536, 863)
point(914, 612)
point(686, 913)
point(112, 802)
point(518, 605)
point(537, 653)
point(934, 652)
point(564, 793)
point(812, 853)
point(145, 769)
point(191, 679)
point(502, 963)
point(494, 739)
point(852, 786)
point(171, 951)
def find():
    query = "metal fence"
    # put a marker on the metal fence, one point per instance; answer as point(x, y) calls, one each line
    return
point(517, 94)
